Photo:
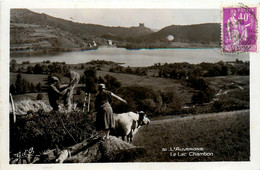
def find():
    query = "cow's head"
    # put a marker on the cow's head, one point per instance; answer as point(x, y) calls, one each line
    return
point(143, 120)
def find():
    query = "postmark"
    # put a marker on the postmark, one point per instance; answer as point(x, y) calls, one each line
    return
point(239, 29)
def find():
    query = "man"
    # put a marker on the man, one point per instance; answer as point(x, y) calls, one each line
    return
point(55, 92)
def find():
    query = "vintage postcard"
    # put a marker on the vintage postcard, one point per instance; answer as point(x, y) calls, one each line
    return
point(160, 84)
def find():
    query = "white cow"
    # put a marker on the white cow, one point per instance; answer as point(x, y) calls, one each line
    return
point(127, 124)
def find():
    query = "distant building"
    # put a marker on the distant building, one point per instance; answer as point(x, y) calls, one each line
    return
point(141, 24)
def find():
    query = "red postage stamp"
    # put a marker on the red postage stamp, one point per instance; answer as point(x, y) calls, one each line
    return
point(239, 29)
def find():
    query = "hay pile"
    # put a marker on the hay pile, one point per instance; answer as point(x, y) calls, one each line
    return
point(23, 106)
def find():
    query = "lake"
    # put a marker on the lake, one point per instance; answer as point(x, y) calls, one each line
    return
point(138, 58)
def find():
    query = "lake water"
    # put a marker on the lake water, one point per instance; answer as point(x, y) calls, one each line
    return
point(138, 58)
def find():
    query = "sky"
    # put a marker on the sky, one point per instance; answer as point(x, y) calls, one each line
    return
point(152, 18)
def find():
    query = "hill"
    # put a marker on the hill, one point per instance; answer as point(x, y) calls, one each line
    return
point(40, 33)
point(30, 29)
point(200, 33)
point(185, 36)
point(86, 30)
point(37, 39)
point(220, 136)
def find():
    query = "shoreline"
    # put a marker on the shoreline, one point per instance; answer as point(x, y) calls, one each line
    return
point(61, 50)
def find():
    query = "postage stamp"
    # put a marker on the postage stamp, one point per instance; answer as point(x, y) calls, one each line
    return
point(239, 29)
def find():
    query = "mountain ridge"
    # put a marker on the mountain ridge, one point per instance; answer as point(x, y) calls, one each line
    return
point(63, 35)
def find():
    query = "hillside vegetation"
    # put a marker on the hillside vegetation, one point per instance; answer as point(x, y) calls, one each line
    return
point(225, 136)
point(40, 33)
point(32, 33)
point(163, 91)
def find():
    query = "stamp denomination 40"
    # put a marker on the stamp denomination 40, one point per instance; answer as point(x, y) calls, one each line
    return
point(239, 29)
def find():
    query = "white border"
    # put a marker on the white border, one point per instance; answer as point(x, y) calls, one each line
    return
point(4, 71)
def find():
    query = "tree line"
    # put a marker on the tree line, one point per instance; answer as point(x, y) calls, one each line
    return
point(23, 86)
point(46, 67)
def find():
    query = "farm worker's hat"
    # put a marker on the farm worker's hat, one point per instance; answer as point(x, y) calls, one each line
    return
point(101, 87)
point(53, 79)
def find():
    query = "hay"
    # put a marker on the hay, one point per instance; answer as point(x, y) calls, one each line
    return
point(74, 79)
point(23, 106)
point(65, 109)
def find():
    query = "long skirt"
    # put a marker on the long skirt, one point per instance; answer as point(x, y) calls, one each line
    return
point(105, 118)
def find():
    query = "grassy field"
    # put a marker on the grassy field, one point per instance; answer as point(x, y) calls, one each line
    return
point(155, 83)
point(225, 135)
point(230, 92)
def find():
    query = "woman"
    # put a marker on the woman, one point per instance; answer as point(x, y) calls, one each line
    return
point(55, 92)
point(105, 120)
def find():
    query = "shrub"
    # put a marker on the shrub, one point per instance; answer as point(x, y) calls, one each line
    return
point(138, 98)
point(44, 130)
point(171, 101)
point(148, 105)
point(199, 97)
point(229, 105)
point(197, 83)
point(202, 96)
point(112, 83)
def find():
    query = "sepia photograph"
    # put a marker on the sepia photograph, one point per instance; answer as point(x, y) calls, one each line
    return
point(90, 85)
point(132, 85)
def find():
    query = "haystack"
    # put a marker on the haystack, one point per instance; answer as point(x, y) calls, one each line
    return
point(23, 106)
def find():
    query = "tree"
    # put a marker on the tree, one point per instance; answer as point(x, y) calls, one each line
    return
point(13, 65)
point(37, 69)
point(25, 86)
point(45, 69)
point(32, 88)
point(18, 84)
point(91, 73)
point(12, 89)
point(112, 83)
point(90, 85)
point(39, 87)
point(90, 76)
point(30, 69)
